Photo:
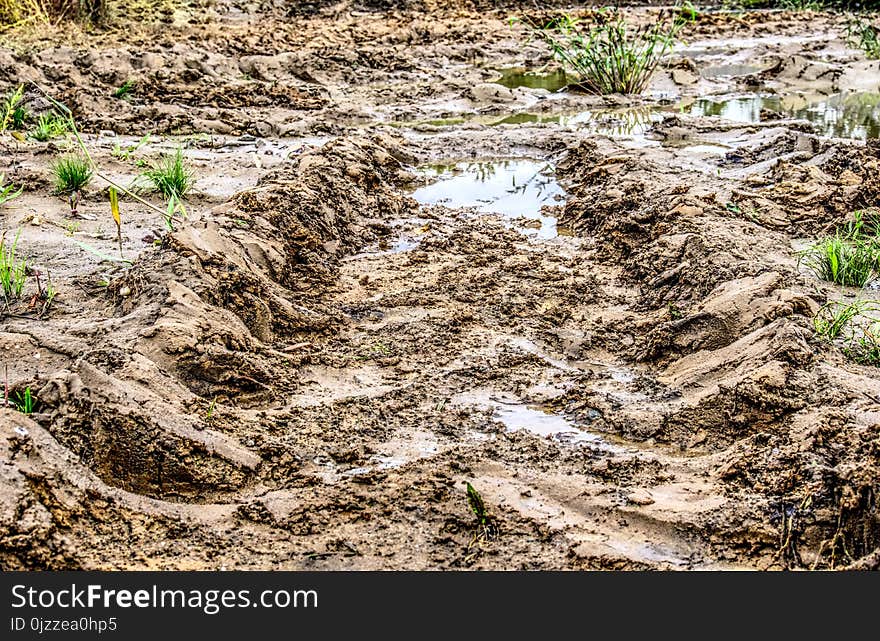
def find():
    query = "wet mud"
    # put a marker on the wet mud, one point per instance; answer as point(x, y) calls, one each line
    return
point(414, 259)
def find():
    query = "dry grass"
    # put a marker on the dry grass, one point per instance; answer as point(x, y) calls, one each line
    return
point(20, 12)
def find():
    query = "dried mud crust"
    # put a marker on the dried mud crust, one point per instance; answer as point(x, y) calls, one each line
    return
point(277, 386)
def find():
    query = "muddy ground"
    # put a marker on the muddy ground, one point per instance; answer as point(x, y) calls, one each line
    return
point(305, 374)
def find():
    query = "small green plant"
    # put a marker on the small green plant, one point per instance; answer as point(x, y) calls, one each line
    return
point(9, 106)
point(836, 316)
point(13, 272)
point(854, 326)
point(72, 174)
point(125, 90)
point(801, 5)
point(170, 176)
point(210, 413)
point(49, 126)
point(850, 256)
point(25, 401)
point(124, 153)
point(8, 192)
point(487, 527)
point(20, 118)
point(841, 260)
point(863, 34)
point(611, 56)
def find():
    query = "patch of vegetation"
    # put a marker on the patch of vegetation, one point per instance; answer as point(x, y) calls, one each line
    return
point(124, 153)
point(487, 526)
point(8, 192)
point(170, 176)
point(20, 118)
point(19, 11)
point(854, 326)
point(610, 55)
point(10, 105)
point(25, 401)
point(72, 173)
point(13, 272)
point(125, 90)
point(862, 34)
point(49, 126)
point(849, 257)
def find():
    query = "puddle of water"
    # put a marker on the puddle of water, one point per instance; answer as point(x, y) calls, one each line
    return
point(729, 71)
point(520, 77)
point(517, 416)
point(513, 188)
point(845, 115)
point(631, 121)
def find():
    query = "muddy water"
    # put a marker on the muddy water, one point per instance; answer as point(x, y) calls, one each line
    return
point(514, 188)
point(516, 415)
point(520, 77)
point(845, 115)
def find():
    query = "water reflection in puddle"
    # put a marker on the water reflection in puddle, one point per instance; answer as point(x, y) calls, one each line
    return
point(632, 121)
point(513, 188)
point(845, 115)
point(520, 77)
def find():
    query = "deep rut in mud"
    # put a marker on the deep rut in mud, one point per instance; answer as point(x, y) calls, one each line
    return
point(397, 279)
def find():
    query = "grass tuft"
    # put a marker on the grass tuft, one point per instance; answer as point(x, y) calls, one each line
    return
point(10, 106)
point(611, 56)
point(854, 326)
point(72, 173)
point(8, 192)
point(49, 126)
point(850, 257)
point(862, 34)
point(25, 401)
point(170, 176)
point(13, 272)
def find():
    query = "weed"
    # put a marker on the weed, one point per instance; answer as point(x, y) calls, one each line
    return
point(71, 227)
point(8, 192)
point(20, 118)
point(25, 401)
point(611, 56)
point(487, 527)
point(835, 316)
point(124, 153)
point(9, 106)
point(72, 173)
point(49, 293)
point(801, 5)
point(841, 260)
point(125, 90)
point(170, 176)
point(209, 413)
point(855, 326)
point(862, 34)
point(13, 272)
point(850, 256)
point(49, 126)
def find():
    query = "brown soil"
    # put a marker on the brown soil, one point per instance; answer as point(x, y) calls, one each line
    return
point(273, 385)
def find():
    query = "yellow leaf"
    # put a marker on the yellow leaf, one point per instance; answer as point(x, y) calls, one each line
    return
point(114, 206)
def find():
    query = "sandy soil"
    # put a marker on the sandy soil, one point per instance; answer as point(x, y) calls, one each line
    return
point(306, 373)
